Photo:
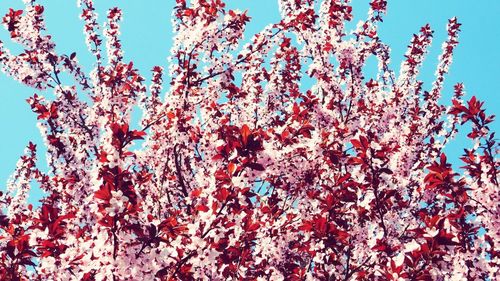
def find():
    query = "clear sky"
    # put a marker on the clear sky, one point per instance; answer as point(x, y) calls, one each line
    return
point(146, 37)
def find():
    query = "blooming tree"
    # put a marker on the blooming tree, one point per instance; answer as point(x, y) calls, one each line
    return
point(235, 171)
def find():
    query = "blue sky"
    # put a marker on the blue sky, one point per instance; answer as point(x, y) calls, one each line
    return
point(146, 38)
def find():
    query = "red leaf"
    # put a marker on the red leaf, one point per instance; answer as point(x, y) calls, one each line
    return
point(245, 133)
point(103, 193)
point(222, 194)
point(356, 143)
point(103, 157)
point(386, 171)
point(202, 208)
point(343, 178)
point(39, 9)
point(231, 167)
point(137, 135)
point(221, 175)
point(188, 12)
point(196, 192)
point(256, 166)
point(252, 226)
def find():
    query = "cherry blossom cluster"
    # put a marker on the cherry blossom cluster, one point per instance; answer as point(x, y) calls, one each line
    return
point(278, 159)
